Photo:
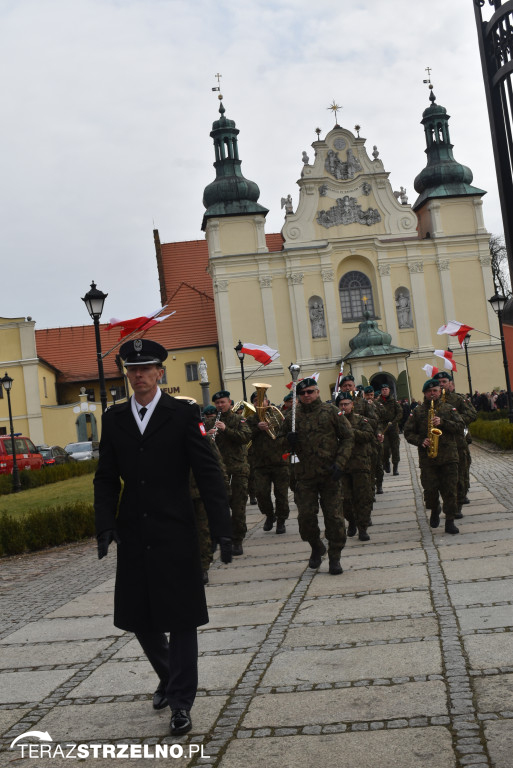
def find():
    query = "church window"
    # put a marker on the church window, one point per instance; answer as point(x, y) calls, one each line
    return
point(355, 291)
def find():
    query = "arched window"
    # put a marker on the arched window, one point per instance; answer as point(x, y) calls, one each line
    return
point(355, 296)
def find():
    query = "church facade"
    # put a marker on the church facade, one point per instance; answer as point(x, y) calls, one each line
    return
point(361, 277)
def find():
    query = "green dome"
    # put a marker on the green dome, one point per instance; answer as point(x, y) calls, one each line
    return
point(371, 342)
point(230, 194)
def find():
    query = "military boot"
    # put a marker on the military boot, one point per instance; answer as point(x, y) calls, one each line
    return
point(335, 568)
point(396, 471)
point(379, 489)
point(363, 535)
point(280, 526)
point(434, 520)
point(466, 500)
point(450, 527)
point(318, 550)
point(237, 550)
point(386, 466)
point(459, 513)
point(269, 523)
point(351, 529)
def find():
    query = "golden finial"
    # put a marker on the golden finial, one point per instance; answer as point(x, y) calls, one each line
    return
point(334, 107)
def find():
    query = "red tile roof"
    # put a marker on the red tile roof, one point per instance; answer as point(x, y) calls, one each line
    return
point(185, 286)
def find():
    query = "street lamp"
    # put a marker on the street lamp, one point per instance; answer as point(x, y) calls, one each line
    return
point(16, 485)
point(113, 392)
point(240, 355)
point(94, 301)
point(498, 303)
point(465, 345)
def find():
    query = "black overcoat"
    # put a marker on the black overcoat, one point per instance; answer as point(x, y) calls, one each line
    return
point(159, 585)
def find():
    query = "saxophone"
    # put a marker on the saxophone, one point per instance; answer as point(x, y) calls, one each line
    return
point(433, 433)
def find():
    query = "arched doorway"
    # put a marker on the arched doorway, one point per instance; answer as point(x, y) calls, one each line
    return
point(86, 427)
point(379, 379)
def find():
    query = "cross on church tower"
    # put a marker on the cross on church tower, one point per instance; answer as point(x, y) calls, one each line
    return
point(218, 86)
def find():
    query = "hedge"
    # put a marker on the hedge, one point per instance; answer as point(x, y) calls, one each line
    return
point(493, 415)
point(46, 527)
point(48, 475)
point(498, 432)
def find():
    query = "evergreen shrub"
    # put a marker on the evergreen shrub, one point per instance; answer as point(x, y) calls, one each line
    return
point(48, 475)
point(46, 527)
point(500, 433)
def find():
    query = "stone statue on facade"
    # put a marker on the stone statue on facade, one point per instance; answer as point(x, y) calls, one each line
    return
point(403, 306)
point(317, 320)
point(286, 202)
point(202, 370)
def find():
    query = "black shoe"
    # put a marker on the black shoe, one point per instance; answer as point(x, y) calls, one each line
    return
point(159, 697)
point(363, 536)
point(386, 466)
point(280, 527)
point(335, 568)
point(434, 520)
point(459, 514)
point(318, 550)
point(351, 530)
point(466, 500)
point(237, 550)
point(379, 489)
point(205, 577)
point(450, 527)
point(269, 523)
point(396, 471)
point(253, 500)
point(180, 722)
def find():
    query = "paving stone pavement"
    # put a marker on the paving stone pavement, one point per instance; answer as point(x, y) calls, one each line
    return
point(404, 661)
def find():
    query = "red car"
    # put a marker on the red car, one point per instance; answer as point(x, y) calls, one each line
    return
point(27, 456)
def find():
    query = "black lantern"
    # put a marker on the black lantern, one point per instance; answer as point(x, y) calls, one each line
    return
point(498, 302)
point(240, 355)
point(94, 301)
point(6, 382)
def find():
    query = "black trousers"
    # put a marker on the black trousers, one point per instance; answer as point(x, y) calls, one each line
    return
point(176, 663)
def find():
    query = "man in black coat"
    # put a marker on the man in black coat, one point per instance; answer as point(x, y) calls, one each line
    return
point(150, 443)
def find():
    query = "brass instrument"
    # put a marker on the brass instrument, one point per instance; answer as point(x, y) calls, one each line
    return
point(433, 433)
point(248, 408)
point(268, 413)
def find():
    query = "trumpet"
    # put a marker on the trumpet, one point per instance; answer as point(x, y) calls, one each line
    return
point(433, 433)
point(268, 413)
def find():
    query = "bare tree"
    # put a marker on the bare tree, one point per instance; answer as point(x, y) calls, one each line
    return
point(500, 267)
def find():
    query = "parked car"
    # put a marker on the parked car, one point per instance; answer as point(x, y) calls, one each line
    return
point(83, 451)
point(54, 454)
point(27, 455)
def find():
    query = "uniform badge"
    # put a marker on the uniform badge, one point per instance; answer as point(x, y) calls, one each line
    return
point(138, 345)
point(202, 428)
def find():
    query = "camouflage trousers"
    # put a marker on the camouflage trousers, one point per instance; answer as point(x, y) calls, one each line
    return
point(440, 479)
point(358, 490)
point(265, 479)
point(251, 482)
point(463, 473)
point(238, 500)
point(326, 491)
point(391, 446)
point(377, 464)
point(205, 542)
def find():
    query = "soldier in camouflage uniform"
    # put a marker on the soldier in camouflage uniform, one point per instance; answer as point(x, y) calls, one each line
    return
point(232, 435)
point(438, 475)
point(271, 471)
point(357, 478)
point(393, 415)
point(323, 442)
point(377, 457)
point(363, 407)
point(469, 414)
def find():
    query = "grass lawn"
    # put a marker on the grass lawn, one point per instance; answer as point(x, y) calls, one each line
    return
point(75, 489)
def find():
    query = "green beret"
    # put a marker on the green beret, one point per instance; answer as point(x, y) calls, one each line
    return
point(287, 397)
point(305, 383)
point(220, 394)
point(344, 396)
point(443, 375)
point(209, 410)
point(349, 377)
point(368, 389)
point(429, 384)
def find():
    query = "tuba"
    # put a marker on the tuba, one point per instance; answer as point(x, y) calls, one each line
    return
point(269, 413)
point(433, 433)
point(248, 409)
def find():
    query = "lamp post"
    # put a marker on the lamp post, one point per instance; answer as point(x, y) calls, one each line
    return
point(498, 303)
point(113, 391)
point(16, 485)
point(94, 301)
point(240, 355)
point(465, 344)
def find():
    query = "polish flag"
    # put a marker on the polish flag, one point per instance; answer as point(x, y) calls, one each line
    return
point(449, 363)
point(339, 379)
point(430, 370)
point(137, 324)
point(453, 328)
point(263, 353)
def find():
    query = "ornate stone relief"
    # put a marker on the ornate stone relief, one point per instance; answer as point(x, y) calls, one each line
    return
point(384, 269)
point(485, 261)
point(317, 319)
point(220, 286)
point(295, 278)
point(338, 168)
point(323, 189)
point(347, 211)
point(265, 281)
point(443, 265)
point(415, 266)
point(327, 275)
point(366, 188)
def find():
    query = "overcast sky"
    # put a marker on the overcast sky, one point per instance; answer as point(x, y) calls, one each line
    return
point(107, 108)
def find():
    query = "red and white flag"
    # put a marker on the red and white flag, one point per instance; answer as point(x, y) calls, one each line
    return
point(430, 370)
point(137, 323)
point(262, 353)
point(313, 376)
point(453, 328)
point(446, 354)
point(339, 379)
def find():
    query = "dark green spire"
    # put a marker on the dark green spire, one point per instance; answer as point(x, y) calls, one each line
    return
point(443, 176)
point(371, 342)
point(230, 194)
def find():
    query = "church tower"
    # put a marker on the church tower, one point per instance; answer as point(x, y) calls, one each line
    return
point(233, 220)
